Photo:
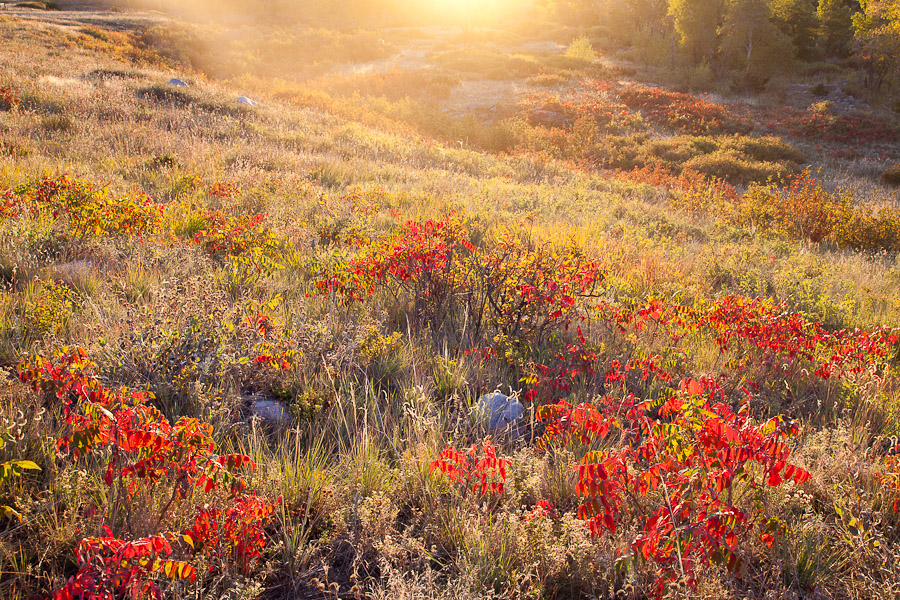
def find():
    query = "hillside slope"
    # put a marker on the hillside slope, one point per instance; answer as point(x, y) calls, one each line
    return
point(708, 379)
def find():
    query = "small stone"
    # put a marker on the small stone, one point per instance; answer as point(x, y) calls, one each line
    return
point(498, 412)
point(246, 100)
point(178, 82)
point(269, 410)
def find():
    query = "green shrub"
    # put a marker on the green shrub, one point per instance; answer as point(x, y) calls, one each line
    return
point(736, 168)
point(581, 49)
point(58, 123)
point(110, 74)
point(548, 80)
point(701, 77)
point(682, 148)
point(165, 93)
point(821, 68)
point(163, 161)
point(820, 90)
point(739, 160)
point(869, 230)
point(621, 151)
point(768, 148)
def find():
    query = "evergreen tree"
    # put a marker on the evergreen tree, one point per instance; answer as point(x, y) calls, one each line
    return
point(797, 19)
point(697, 24)
point(836, 27)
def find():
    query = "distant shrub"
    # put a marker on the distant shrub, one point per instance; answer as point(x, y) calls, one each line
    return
point(181, 98)
point(58, 123)
point(502, 136)
point(733, 167)
point(701, 77)
point(682, 112)
point(162, 161)
point(85, 209)
point(822, 107)
point(581, 49)
point(168, 94)
point(548, 80)
point(596, 102)
point(820, 122)
point(891, 175)
point(9, 98)
point(767, 148)
point(48, 309)
point(14, 149)
point(869, 230)
point(108, 74)
point(749, 83)
point(820, 90)
point(821, 68)
point(738, 160)
point(682, 148)
point(806, 210)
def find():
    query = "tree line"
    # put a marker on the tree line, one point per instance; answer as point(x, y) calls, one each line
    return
point(754, 39)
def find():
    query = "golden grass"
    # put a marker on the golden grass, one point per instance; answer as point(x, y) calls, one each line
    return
point(373, 399)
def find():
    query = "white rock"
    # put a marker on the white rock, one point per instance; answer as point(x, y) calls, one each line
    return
point(497, 411)
point(246, 100)
point(177, 82)
point(270, 410)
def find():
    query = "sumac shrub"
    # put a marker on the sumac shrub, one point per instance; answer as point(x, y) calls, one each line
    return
point(84, 209)
point(510, 285)
point(154, 470)
point(806, 210)
point(9, 98)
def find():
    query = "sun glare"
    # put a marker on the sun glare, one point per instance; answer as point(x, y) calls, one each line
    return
point(469, 12)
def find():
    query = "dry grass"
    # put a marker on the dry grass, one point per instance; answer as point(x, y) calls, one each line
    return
point(373, 398)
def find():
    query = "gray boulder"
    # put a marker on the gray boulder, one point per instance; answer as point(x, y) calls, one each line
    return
point(497, 412)
point(269, 410)
point(177, 82)
point(246, 100)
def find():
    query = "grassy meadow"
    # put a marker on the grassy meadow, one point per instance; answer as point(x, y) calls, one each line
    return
point(693, 289)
